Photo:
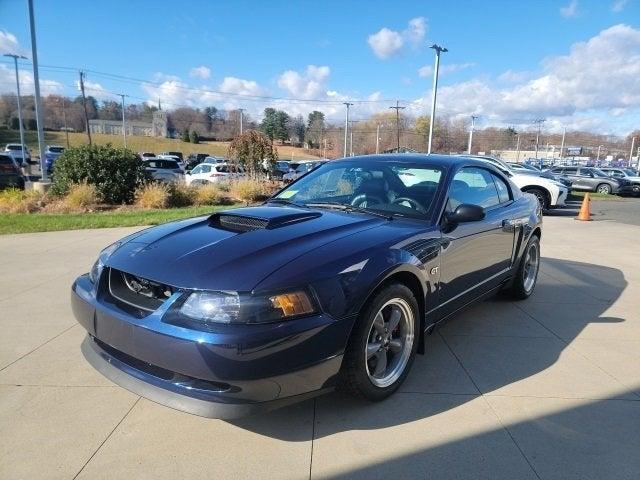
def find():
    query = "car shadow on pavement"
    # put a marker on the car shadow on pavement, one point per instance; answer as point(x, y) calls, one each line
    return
point(488, 347)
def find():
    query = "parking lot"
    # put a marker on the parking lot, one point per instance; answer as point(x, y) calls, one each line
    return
point(546, 388)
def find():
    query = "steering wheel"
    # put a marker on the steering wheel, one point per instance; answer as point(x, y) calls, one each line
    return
point(412, 203)
point(364, 200)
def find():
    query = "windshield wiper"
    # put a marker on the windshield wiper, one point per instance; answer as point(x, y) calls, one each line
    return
point(348, 208)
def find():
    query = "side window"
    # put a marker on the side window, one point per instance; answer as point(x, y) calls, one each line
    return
point(503, 189)
point(570, 171)
point(475, 186)
point(197, 169)
point(205, 168)
point(583, 172)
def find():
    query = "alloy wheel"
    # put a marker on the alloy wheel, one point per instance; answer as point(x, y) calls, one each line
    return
point(389, 342)
point(531, 266)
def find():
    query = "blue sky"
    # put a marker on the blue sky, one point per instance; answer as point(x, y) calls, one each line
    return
point(508, 62)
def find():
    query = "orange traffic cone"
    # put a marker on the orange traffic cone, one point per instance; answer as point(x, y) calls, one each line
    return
point(585, 209)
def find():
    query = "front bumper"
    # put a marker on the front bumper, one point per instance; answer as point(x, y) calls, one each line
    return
point(633, 189)
point(562, 197)
point(230, 373)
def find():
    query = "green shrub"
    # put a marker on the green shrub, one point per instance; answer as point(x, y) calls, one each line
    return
point(152, 195)
point(115, 172)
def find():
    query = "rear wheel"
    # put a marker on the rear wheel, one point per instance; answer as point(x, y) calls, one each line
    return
point(604, 189)
point(383, 344)
point(527, 273)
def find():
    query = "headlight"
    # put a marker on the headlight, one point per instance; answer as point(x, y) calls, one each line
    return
point(231, 307)
point(104, 255)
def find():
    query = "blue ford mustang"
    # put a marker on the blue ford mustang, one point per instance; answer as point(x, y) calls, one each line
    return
point(333, 282)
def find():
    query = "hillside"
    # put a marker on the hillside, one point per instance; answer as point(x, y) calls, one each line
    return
point(139, 144)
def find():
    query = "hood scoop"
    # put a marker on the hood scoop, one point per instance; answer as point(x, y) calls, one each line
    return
point(260, 218)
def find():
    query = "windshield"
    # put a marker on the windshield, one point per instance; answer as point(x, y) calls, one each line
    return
point(629, 171)
point(14, 147)
point(391, 188)
point(56, 149)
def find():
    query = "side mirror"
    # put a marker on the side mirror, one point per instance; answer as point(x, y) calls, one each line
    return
point(188, 172)
point(466, 212)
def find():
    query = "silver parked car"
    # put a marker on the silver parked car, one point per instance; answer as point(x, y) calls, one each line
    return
point(164, 170)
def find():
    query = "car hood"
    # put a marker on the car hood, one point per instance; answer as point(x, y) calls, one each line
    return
point(203, 253)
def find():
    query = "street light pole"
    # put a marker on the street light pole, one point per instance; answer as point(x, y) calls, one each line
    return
point(241, 119)
point(36, 85)
point(378, 139)
point(346, 127)
point(539, 121)
point(633, 142)
point(473, 124)
point(124, 125)
point(518, 149)
point(598, 155)
point(564, 132)
point(438, 50)
point(23, 146)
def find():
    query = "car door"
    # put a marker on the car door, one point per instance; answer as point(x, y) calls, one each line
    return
point(586, 179)
point(476, 256)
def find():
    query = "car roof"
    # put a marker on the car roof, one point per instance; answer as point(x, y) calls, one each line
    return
point(432, 159)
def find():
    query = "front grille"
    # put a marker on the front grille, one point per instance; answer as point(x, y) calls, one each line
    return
point(237, 223)
point(143, 295)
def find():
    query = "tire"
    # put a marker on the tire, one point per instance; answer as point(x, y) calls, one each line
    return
point(542, 196)
point(524, 284)
point(604, 189)
point(395, 349)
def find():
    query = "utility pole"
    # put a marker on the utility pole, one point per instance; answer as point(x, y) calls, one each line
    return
point(397, 108)
point(241, 118)
point(23, 146)
point(473, 124)
point(124, 125)
point(84, 106)
point(64, 118)
point(36, 87)
point(539, 122)
point(438, 50)
point(564, 133)
point(378, 139)
point(346, 128)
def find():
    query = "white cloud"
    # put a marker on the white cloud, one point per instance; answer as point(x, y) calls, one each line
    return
point(240, 86)
point(9, 44)
point(175, 93)
point(387, 43)
point(8, 82)
point(570, 10)
point(427, 70)
point(200, 72)
point(618, 5)
point(96, 90)
point(572, 86)
point(309, 85)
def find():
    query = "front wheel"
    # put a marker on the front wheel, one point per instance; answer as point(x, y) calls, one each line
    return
point(383, 344)
point(604, 189)
point(543, 198)
point(527, 273)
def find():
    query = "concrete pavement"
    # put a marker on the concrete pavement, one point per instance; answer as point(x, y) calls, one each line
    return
point(546, 388)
